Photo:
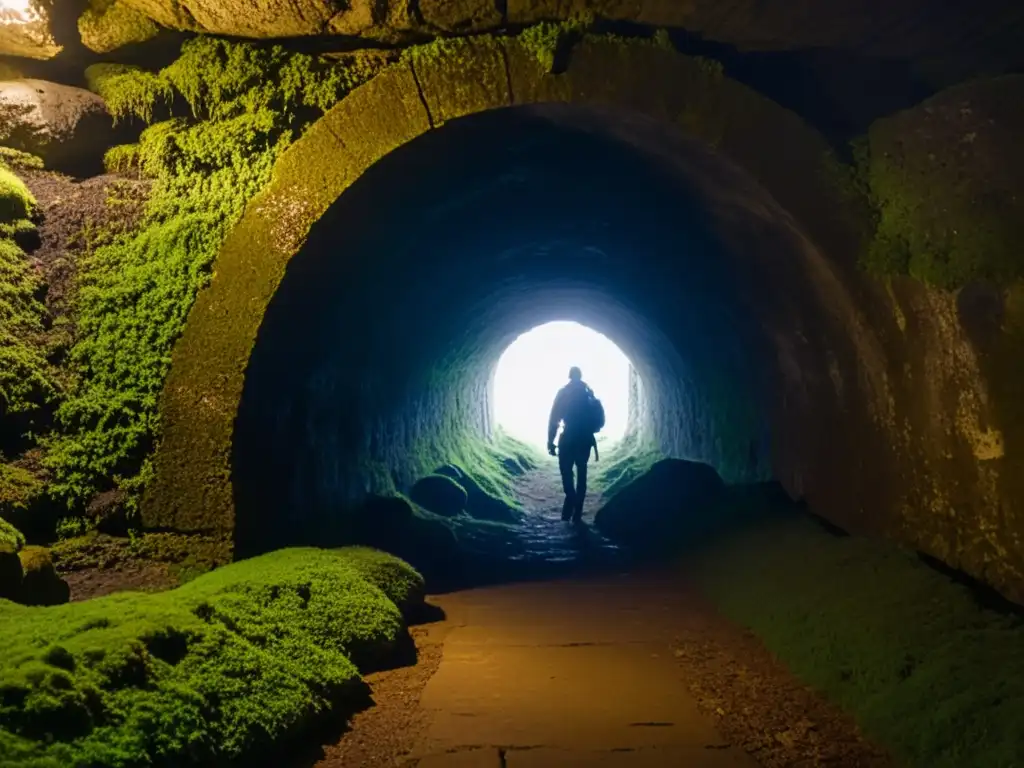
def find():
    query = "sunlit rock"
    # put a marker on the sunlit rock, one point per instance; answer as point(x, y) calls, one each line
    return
point(59, 123)
point(25, 29)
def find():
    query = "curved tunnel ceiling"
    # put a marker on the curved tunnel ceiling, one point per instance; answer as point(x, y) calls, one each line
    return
point(386, 328)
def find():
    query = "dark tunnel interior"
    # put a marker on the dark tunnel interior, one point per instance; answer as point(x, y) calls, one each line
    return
point(373, 360)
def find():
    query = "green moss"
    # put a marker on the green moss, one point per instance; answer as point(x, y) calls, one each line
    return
point(19, 489)
point(943, 184)
point(11, 539)
point(134, 293)
point(631, 458)
point(129, 91)
point(106, 25)
point(547, 40)
point(924, 669)
point(122, 159)
point(27, 380)
point(214, 672)
point(18, 160)
point(94, 550)
point(16, 202)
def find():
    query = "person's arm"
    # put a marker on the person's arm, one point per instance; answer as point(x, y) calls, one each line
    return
point(554, 419)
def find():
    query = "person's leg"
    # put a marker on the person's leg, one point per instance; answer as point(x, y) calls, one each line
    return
point(565, 462)
point(581, 482)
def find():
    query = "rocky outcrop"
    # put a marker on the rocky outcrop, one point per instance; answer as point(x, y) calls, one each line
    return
point(65, 126)
point(26, 31)
point(107, 25)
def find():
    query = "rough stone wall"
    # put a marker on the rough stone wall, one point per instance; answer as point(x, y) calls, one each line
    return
point(949, 176)
point(891, 415)
point(191, 489)
point(944, 42)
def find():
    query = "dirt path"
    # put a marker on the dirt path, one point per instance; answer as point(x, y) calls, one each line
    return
point(624, 667)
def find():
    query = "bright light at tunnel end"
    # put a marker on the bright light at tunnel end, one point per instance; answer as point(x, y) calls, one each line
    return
point(16, 11)
point(536, 365)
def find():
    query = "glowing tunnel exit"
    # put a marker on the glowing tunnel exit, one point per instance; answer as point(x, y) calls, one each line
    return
point(534, 367)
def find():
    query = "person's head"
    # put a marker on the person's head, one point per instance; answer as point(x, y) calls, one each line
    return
point(575, 374)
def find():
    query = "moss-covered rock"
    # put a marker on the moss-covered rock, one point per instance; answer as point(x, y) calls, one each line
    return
point(671, 502)
point(440, 494)
point(216, 672)
point(106, 25)
point(40, 584)
point(11, 539)
point(16, 202)
point(947, 177)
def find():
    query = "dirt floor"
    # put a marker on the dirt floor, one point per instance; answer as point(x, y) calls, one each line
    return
point(633, 669)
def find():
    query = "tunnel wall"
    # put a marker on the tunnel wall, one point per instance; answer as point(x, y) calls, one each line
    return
point(838, 418)
point(192, 487)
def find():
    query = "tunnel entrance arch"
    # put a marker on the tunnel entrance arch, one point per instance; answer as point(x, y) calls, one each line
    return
point(757, 145)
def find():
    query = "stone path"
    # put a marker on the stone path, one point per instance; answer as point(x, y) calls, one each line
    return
point(578, 672)
point(542, 545)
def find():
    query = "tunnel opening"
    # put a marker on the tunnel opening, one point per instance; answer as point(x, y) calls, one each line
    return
point(534, 366)
point(373, 365)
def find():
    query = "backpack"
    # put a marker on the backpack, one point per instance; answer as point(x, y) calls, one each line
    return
point(591, 413)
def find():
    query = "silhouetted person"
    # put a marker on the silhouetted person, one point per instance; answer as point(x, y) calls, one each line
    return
point(581, 416)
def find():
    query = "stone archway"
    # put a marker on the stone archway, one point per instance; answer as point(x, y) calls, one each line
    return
point(192, 489)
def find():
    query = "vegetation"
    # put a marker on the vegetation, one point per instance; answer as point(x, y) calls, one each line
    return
point(129, 91)
point(948, 204)
point(19, 489)
point(548, 40)
point(925, 669)
point(631, 458)
point(11, 539)
point(106, 25)
point(27, 380)
point(135, 290)
point(212, 672)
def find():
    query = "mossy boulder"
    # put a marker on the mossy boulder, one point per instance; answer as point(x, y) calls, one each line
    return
point(672, 501)
point(40, 584)
point(11, 539)
point(216, 672)
point(440, 494)
point(16, 201)
point(479, 503)
point(107, 25)
point(22, 495)
point(947, 177)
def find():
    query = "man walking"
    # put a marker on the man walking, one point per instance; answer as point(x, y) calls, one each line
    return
point(581, 415)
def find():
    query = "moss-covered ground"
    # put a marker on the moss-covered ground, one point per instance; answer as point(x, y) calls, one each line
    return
point(213, 672)
point(923, 665)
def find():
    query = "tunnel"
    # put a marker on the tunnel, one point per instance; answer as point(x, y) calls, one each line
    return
point(373, 362)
